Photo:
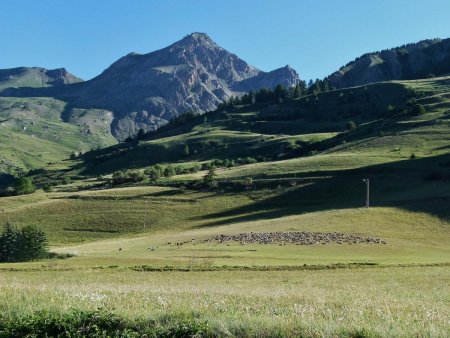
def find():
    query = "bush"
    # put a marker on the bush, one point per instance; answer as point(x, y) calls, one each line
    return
point(128, 176)
point(247, 160)
point(24, 185)
point(206, 166)
point(169, 171)
point(210, 176)
point(194, 169)
point(47, 187)
point(417, 110)
point(153, 173)
point(351, 125)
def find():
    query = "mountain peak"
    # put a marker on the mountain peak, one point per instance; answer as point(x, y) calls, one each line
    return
point(195, 39)
point(198, 36)
point(192, 74)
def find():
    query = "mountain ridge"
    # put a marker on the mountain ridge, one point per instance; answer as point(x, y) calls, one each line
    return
point(418, 60)
point(145, 90)
point(35, 77)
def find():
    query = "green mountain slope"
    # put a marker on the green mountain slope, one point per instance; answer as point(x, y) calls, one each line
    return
point(385, 130)
point(32, 133)
point(317, 164)
point(35, 77)
point(419, 60)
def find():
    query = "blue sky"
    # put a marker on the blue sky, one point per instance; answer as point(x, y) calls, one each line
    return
point(315, 37)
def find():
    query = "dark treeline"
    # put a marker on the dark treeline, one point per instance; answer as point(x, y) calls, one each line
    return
point(278, 94)
point(401, 50)
point(20, 245)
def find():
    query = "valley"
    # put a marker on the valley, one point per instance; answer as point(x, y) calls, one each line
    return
point(248, 219)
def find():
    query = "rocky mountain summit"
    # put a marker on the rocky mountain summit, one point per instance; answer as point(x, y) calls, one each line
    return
point(412, 61)
point(193, 74)
point(144, 90)
point(35, 77)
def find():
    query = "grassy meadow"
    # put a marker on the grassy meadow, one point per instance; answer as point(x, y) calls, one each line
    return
point(401, 302)
point(142, 252)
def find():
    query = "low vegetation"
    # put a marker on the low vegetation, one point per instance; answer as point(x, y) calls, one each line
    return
point(360, 302)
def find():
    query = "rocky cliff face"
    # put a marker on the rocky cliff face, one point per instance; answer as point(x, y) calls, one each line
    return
point(413, 61)
point(193, 74)
point(35, 77)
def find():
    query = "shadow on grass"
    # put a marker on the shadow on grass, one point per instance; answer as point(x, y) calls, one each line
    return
point(401, 184)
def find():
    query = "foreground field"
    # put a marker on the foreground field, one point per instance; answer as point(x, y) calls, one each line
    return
point(402, 301)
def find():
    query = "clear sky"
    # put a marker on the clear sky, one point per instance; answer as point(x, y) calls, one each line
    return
point(315, 37)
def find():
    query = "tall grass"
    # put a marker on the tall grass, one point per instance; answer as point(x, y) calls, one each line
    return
point(401, 302)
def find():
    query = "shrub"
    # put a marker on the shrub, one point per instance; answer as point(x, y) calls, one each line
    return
point(179, 170)
point(417, 110)
point(24, 185)
point(169, 171)
point(153, 173)
point(351, 125)
point(194, 169)
point(128, 176)
point(210, 175)
point(206, 166)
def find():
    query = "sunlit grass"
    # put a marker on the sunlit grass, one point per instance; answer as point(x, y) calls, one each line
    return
point(385, 302)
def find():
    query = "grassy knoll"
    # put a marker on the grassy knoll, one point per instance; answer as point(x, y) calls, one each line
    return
point(401, 302)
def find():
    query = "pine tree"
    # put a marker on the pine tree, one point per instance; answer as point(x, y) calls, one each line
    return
point(22, 245)
point(324, 86)
point(33, 244)
point(297, 92)
point(9, 243)
point(186, 150)
point(210, 175)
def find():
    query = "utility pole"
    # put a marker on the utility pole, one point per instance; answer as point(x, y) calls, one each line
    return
point(366, 180)
point(145, 212)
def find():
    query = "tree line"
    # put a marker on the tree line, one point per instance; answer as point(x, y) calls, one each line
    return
point(278, 94)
